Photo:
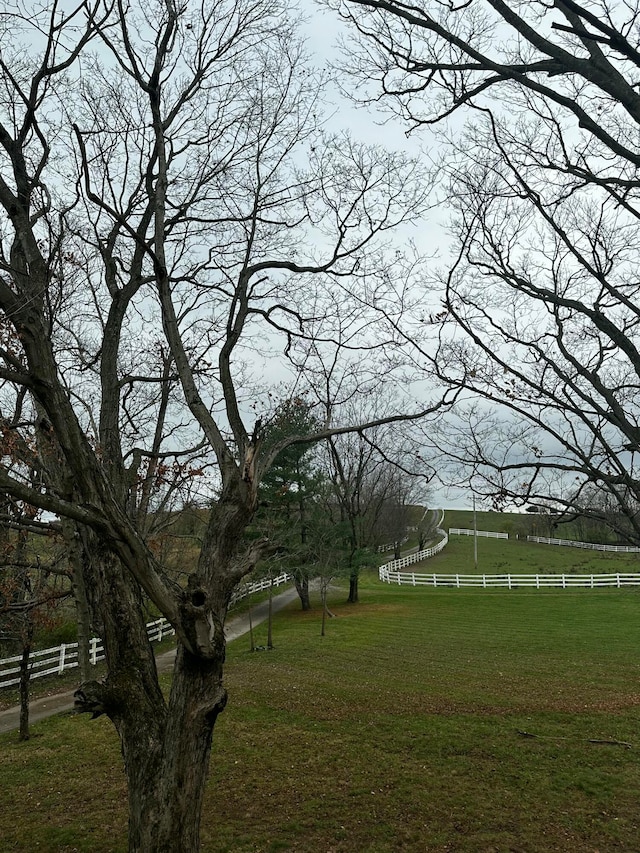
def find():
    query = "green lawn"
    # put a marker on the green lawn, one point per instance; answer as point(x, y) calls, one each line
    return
point(523, 524)
point(400, 730)
point(485, 519)
point(517, 556)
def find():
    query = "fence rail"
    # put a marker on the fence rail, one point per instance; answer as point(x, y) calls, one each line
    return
point(509, 581)
point(394, 565)
point(391, 545)
point(259, 586)
point(590, 546)
point(56, 660)
point(488, 534)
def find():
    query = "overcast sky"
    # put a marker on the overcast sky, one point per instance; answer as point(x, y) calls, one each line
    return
point(323, 31)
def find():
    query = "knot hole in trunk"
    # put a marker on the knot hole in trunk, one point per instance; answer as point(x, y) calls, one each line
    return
point(198, 597)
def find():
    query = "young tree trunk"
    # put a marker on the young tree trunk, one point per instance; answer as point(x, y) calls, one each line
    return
point(23, 733)
point(252, 645)
point(270, 619)
point(302, 588)
point(353, 588)
point(324, 611)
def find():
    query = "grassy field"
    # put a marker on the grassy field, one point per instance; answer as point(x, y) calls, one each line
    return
point(517, 556)
point(402, 729)
point(500, 522)
point(525, 524)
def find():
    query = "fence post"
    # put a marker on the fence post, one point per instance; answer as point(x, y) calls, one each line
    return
point(435, 582)
point(509, 581)
point(93, 650)
point(537, 581)
point(484, 581)
point(564, 582)
point(413, 578)
point(160, 628)
point(458, 581)
point(61, 664)
point(618, 580)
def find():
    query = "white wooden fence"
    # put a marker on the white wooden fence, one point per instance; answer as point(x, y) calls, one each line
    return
point(390, 545)
point(590, 546)
point(259, 586)
point(488, 534)
point(417, 557)
point(389, 575)
point(55, 660)
point(392, 572)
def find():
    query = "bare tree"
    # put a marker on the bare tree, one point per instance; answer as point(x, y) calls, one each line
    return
point(543, 180)
point(170, 207)
point(30, 590)
point(372, 476)
point(394, 514)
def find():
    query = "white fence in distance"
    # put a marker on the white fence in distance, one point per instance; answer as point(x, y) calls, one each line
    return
point(395, 565)
point(259, 586)
point(488, 534)
point(56, 660)
point(590, 546)
point(390, 546)
point(508, 581)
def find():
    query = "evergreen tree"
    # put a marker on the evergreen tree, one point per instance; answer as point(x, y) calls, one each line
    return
point(289, 489)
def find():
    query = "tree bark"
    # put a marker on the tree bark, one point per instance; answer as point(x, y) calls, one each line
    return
point(83, 615)
point(165, 745)
point(302, 588)
point(353, 589)
point(324, 611)
point(166, 750)
point(252, 645)
point(25, 675)
point(166, 775)
point(270, 619)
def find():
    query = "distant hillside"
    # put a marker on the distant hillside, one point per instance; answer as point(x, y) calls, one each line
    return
point(501, 522)
point(529, 524)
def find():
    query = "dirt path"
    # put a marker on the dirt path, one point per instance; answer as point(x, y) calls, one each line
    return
point(39, 709)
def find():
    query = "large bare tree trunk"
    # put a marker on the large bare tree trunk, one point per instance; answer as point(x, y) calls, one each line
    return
point(84, 625)
point(166, 750)
point(165, 745)
point(166, 777)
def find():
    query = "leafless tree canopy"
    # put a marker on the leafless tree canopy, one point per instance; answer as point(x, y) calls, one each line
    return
point(539, 106)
